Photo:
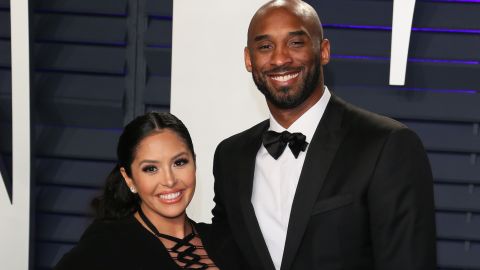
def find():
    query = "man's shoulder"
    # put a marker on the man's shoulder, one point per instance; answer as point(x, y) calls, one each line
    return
point(246, 136)
point(368, 128)
point(361, 119)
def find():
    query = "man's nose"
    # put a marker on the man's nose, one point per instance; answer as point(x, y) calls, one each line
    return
point(281, 56)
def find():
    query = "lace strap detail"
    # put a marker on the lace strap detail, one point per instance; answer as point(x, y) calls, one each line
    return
point(183, 251)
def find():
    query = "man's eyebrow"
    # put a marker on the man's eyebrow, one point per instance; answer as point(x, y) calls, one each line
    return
point(260, 38)
point(298, 33)
point(293, 33)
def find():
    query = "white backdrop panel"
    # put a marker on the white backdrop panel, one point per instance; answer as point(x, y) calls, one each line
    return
point(15, 215)
point(212, 93)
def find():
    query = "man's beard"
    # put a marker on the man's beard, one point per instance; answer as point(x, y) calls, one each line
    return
point(289, 101)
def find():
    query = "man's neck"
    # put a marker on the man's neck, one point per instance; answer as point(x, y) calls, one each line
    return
point(286, 117)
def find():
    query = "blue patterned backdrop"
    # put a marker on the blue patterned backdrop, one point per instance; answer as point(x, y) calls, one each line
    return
point(97, 64)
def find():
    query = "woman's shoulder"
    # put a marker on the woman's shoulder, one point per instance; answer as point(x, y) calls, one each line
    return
point(108, 228)
point(101, 245)
point(202, 228)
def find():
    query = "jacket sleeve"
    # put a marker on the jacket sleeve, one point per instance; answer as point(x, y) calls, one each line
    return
point(218, 211)
point(401, 205)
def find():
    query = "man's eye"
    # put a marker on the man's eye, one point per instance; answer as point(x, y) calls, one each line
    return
point(264, 47)
point(180, 162)
point(149, 169)
point(297, 43)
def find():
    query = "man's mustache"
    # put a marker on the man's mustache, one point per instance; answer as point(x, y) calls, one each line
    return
point(283, 69)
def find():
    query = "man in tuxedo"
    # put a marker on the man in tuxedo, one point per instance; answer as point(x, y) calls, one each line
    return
point(321, 184)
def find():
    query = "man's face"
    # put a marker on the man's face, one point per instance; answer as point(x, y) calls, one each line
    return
point(284, 57)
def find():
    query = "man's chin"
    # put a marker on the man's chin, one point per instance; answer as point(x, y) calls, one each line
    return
point(285, 102)
point(282, 98)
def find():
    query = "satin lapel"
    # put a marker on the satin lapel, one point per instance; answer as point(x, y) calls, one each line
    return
point(245, 179)
point(320, 155)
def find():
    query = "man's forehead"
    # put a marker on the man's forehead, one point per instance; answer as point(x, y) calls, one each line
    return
point(285, 15)
point(275, 13)
point(287, 33)
point(278, 20)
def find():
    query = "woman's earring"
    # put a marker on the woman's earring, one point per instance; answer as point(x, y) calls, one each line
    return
point(133, 189)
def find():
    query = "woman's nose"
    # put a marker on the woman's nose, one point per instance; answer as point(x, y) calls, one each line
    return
point(169, 179)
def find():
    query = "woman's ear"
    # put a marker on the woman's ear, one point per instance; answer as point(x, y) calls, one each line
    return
point(127, 179)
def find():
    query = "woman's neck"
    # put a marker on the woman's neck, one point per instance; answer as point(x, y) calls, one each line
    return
point(177, 227)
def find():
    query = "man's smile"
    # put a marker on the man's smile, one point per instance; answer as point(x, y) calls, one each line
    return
point(284, 77)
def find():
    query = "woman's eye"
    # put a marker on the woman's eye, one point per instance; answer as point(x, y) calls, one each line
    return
point(149, 169)
point(180, 162)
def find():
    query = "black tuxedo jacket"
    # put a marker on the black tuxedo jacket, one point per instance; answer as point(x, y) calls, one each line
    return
point(364, 199)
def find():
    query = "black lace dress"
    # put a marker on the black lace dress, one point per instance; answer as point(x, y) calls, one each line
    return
point(126, 244)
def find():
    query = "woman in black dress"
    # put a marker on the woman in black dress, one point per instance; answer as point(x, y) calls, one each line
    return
point(141, 221)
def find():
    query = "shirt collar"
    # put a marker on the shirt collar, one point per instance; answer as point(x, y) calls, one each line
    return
point(308, 122)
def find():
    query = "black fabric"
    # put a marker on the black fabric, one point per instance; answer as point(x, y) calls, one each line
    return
point(126, 244)
point(364, 199)
point(183, 250)
point(275, 142)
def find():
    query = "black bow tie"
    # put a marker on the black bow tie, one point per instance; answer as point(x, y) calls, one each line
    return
point(275, 142)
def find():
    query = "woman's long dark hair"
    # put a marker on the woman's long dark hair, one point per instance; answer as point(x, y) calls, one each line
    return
point(117, 201)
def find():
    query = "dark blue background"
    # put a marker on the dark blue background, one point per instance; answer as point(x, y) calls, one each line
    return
point(97, 64)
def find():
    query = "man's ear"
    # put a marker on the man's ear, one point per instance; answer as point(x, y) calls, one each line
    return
point(325, 51)
point(126, 178)
point(248, 60)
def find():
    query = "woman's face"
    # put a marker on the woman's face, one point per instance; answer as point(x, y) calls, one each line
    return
point(163, 174)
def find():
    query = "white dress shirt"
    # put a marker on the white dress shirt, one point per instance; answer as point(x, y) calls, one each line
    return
point(275, 181)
